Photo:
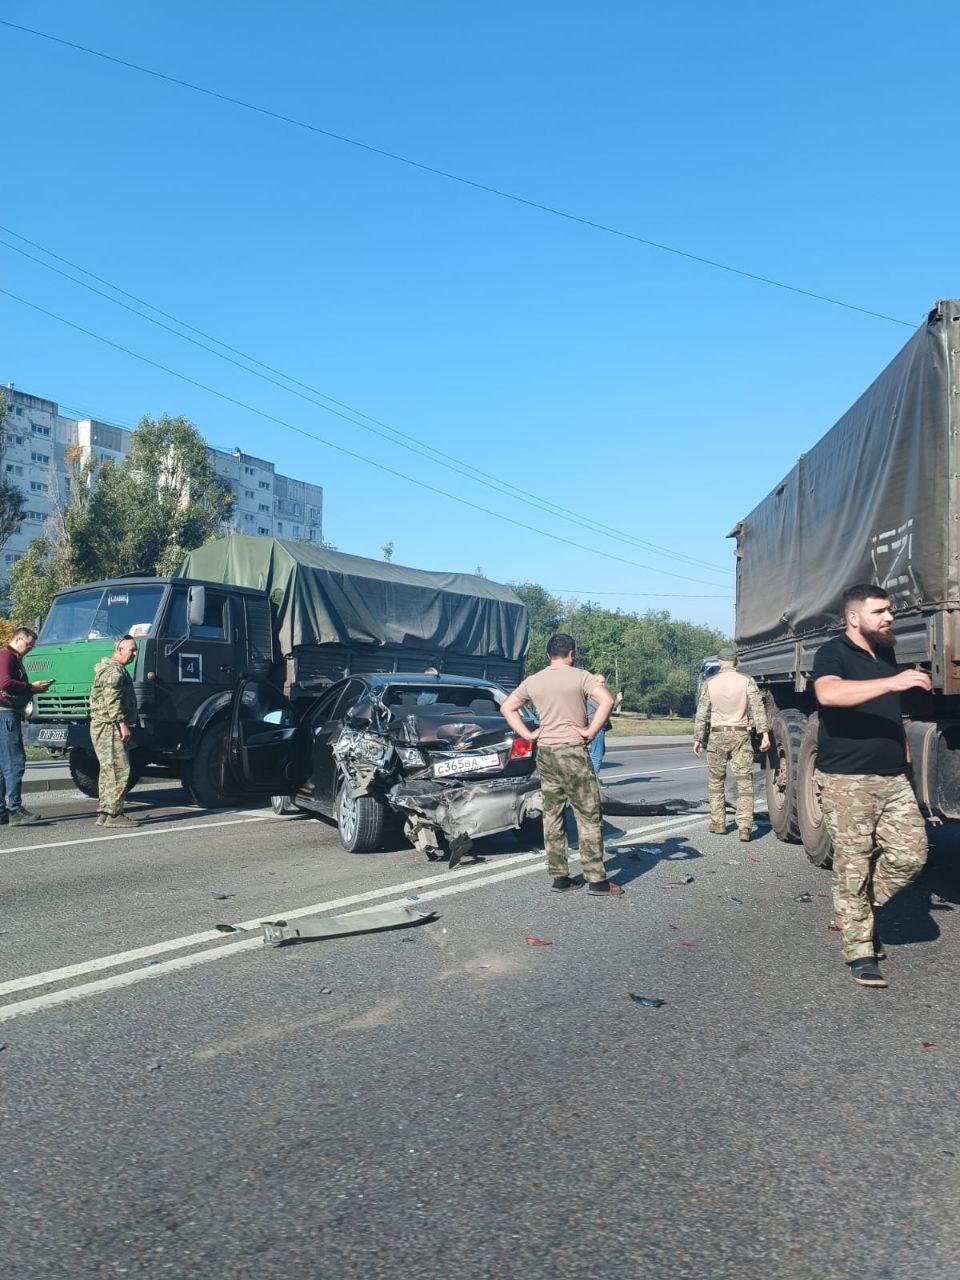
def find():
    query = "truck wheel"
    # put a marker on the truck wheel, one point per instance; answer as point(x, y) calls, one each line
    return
point(360, 820)
point(85, 772)
point(781, 768)
point(205, 776)
point(813, 831)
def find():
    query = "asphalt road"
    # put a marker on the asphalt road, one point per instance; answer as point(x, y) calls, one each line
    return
point(450, 1099)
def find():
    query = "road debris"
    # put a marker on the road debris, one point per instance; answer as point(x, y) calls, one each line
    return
point(647, 1002)
point(326, 991)
point(229, 928)
point(374, 920)
point(155, 1066)
point(151, 960)
point(685, 880)
point(927, 1044)
point(733, 862)
point(685, 942)
point(731, 897)
point(803, 897)
point(531, 941)
point(221, 895)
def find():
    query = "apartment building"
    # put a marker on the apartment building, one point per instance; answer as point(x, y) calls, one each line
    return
point(38, 438)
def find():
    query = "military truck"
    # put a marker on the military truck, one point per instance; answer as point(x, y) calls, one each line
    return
point(877, 499)
point(299, 616)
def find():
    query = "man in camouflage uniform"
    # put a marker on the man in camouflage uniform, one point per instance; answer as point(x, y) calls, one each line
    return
point(559, 693)
point(113, 714)
point(727, 704)
point(862, 763)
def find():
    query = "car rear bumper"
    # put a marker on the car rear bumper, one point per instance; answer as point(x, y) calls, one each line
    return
point(473, 809)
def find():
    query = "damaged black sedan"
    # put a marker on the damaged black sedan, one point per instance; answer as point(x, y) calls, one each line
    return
point(432, 753)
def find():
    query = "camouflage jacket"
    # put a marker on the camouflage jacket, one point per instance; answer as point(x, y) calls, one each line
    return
point(756, 711)
point(111, 696)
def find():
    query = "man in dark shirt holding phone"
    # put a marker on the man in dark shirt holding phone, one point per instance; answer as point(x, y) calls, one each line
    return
point(15, 691)
point(862, 763)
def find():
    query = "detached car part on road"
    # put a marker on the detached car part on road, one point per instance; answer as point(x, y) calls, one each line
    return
point(431, 752)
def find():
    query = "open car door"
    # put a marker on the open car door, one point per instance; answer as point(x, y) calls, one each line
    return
point(268, 755)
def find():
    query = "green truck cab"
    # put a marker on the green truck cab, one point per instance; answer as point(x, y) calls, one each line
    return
point(194, 641)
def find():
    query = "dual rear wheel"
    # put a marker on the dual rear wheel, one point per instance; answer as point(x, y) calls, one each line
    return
point(793, 797)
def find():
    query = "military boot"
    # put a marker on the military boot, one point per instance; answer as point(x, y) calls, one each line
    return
point(118, 820)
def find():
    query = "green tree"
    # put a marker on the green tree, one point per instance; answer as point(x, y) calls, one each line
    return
point(139, 517)
point(35, 579)
point(544, 612)
point(146, 514)
point(13, 506)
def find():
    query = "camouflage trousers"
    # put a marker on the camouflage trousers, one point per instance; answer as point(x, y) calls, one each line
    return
point(567, 778)
point(863, 811)
point(114, 768)
point(735, 746)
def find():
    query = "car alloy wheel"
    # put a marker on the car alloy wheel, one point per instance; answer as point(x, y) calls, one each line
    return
point(347, 816)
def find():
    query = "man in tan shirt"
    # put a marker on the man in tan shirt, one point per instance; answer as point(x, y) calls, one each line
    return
point(728, 703)
point(559, 695)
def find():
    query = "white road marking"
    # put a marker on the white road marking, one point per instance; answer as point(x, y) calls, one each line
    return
point(627, 777)
point(140, 833)
point(467, 878)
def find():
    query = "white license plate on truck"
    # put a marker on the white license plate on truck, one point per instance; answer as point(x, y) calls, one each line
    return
point(465, 764)
point(53, 735)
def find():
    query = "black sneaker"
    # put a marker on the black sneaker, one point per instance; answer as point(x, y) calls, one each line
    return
point(21, 817)
point(867, 973)
point(561, 884)
point(605, 889)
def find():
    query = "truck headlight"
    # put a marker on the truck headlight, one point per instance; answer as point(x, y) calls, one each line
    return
point(28, 710)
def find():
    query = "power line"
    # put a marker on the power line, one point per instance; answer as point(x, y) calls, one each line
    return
point(405, 441)
point(500, 192)
point(330, 444)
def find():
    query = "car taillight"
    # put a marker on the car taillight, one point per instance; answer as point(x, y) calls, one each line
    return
point(519, 748)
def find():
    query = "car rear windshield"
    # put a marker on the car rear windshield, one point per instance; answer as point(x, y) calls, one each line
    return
point(428, 697)
point(104, 613)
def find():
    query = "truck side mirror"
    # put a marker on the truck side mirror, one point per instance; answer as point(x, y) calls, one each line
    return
point(196, 606)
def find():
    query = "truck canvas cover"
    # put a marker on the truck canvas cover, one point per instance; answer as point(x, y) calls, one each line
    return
point(874, 501)
point(327, 597)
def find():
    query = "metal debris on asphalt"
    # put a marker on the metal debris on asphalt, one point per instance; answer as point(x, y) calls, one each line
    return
point(685, 880)
point(220, 894)
point(375, 920)
point(151, 960)
point(803, 897)
point(647, 1002)
point(531, 941)
point(326, 991)
point(733, 898)
point(154, 1066)
point(229, 928)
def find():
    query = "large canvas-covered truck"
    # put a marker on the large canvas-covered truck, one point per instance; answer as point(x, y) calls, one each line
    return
point(297, 615)
point(877, 499)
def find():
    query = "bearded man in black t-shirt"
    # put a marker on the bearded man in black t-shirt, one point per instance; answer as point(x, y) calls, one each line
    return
point(862, 762)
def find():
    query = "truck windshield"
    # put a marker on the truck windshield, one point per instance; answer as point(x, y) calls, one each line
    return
point(101, 614)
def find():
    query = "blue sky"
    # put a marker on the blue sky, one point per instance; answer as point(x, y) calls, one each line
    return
point(649, 393)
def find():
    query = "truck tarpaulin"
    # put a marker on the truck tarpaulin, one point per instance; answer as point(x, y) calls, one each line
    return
point(873, 501)
point(327, 597)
